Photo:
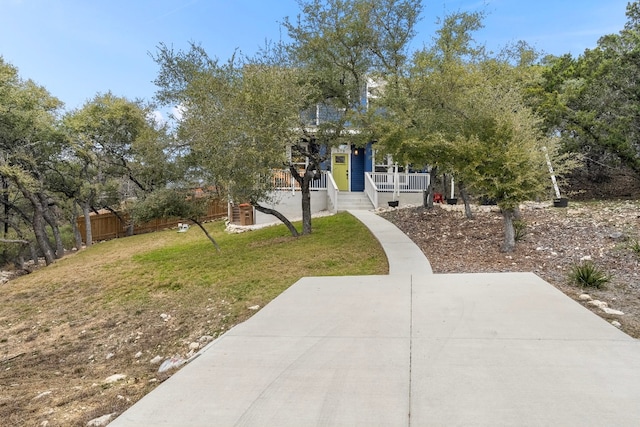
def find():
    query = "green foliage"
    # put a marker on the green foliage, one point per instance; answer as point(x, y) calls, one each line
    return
point(591, 101)
point(169, 203)
point(520, 230)
point(588, 274)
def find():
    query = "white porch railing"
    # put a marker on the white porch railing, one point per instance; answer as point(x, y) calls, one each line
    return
point(332, 192)
point(370, 189)
point(403, 182)
point(283, 180)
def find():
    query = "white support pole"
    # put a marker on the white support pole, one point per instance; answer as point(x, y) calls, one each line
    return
point(452, 188)
point(553, 176)
point(396, 178)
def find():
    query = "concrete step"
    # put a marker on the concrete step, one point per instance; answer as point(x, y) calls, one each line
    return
point(353, 201)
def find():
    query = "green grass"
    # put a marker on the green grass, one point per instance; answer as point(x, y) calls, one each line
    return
point(174, 269)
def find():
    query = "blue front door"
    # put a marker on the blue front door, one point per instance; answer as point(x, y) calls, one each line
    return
point(358, 156)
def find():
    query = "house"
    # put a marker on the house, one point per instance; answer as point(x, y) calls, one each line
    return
point(352, 177)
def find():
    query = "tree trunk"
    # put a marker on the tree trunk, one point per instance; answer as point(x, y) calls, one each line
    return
point(433, 174)
point(39, 230)
point(51, 220)
point(58, 239)
point(465, 199)
point(306, 205)
point(305, 192)
point(38, 223)
point(33, 251)
point(77, 236)
point(5, 198)
point(20, 261)
point(206, 233)
point(87, 224)
point(278, 215)
point(517, 214)
point(509, 243)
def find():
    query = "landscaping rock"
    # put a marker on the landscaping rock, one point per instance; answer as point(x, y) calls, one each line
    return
point(114, 378)
point(612, 311)
point(618, 236)
point(172, 363)
point(598, 303)
point(156, 360)
point(101, 421)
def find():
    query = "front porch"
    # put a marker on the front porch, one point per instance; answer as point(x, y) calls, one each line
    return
point(379, 189)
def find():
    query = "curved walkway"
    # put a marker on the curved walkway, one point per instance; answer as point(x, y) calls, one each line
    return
point(408, 349)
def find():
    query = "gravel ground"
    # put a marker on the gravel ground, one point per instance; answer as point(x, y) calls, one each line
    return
point(554, 241)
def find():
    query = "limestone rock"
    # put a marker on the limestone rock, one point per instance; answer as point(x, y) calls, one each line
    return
point(611, 311)
point(101, 421)
point(618, 236)
point(114, 378)
point(156, 360)
point(171, 363)
point(598, 303)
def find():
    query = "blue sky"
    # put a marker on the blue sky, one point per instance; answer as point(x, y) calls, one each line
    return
point(78, 48)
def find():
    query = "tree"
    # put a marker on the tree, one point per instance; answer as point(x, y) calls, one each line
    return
point(427, 106)
point(117, 152)
point(465, 113)
point(340, 45)
point(591, 101)
point(238, 119)
point(30, 143)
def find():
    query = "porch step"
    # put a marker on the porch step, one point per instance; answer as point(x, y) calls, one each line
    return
point(353, 201)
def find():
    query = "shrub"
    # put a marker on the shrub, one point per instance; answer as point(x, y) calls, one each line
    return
point(587, 274)
point(520, 229)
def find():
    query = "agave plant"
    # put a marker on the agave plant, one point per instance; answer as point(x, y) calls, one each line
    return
point(589, 275)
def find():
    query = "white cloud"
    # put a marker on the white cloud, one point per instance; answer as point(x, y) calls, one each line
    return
point(178, 112)
point(157, 117)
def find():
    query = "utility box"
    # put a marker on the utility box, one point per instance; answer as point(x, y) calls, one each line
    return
point(246, 214)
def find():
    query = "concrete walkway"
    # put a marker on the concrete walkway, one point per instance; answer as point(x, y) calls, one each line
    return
point(408, 349)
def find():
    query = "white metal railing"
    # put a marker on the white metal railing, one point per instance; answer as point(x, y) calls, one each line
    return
point(370, 189)
point(404, 182)
point(283, 180)
point(332, 192)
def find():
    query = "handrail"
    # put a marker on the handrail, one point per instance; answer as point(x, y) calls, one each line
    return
point(370, 189)
point(284, 180)
point(401, 182)
point(332, 192)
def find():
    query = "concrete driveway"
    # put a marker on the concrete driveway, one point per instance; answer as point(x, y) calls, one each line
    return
point(408, 349)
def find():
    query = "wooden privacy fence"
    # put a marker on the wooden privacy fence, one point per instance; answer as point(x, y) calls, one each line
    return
point(107, 226)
